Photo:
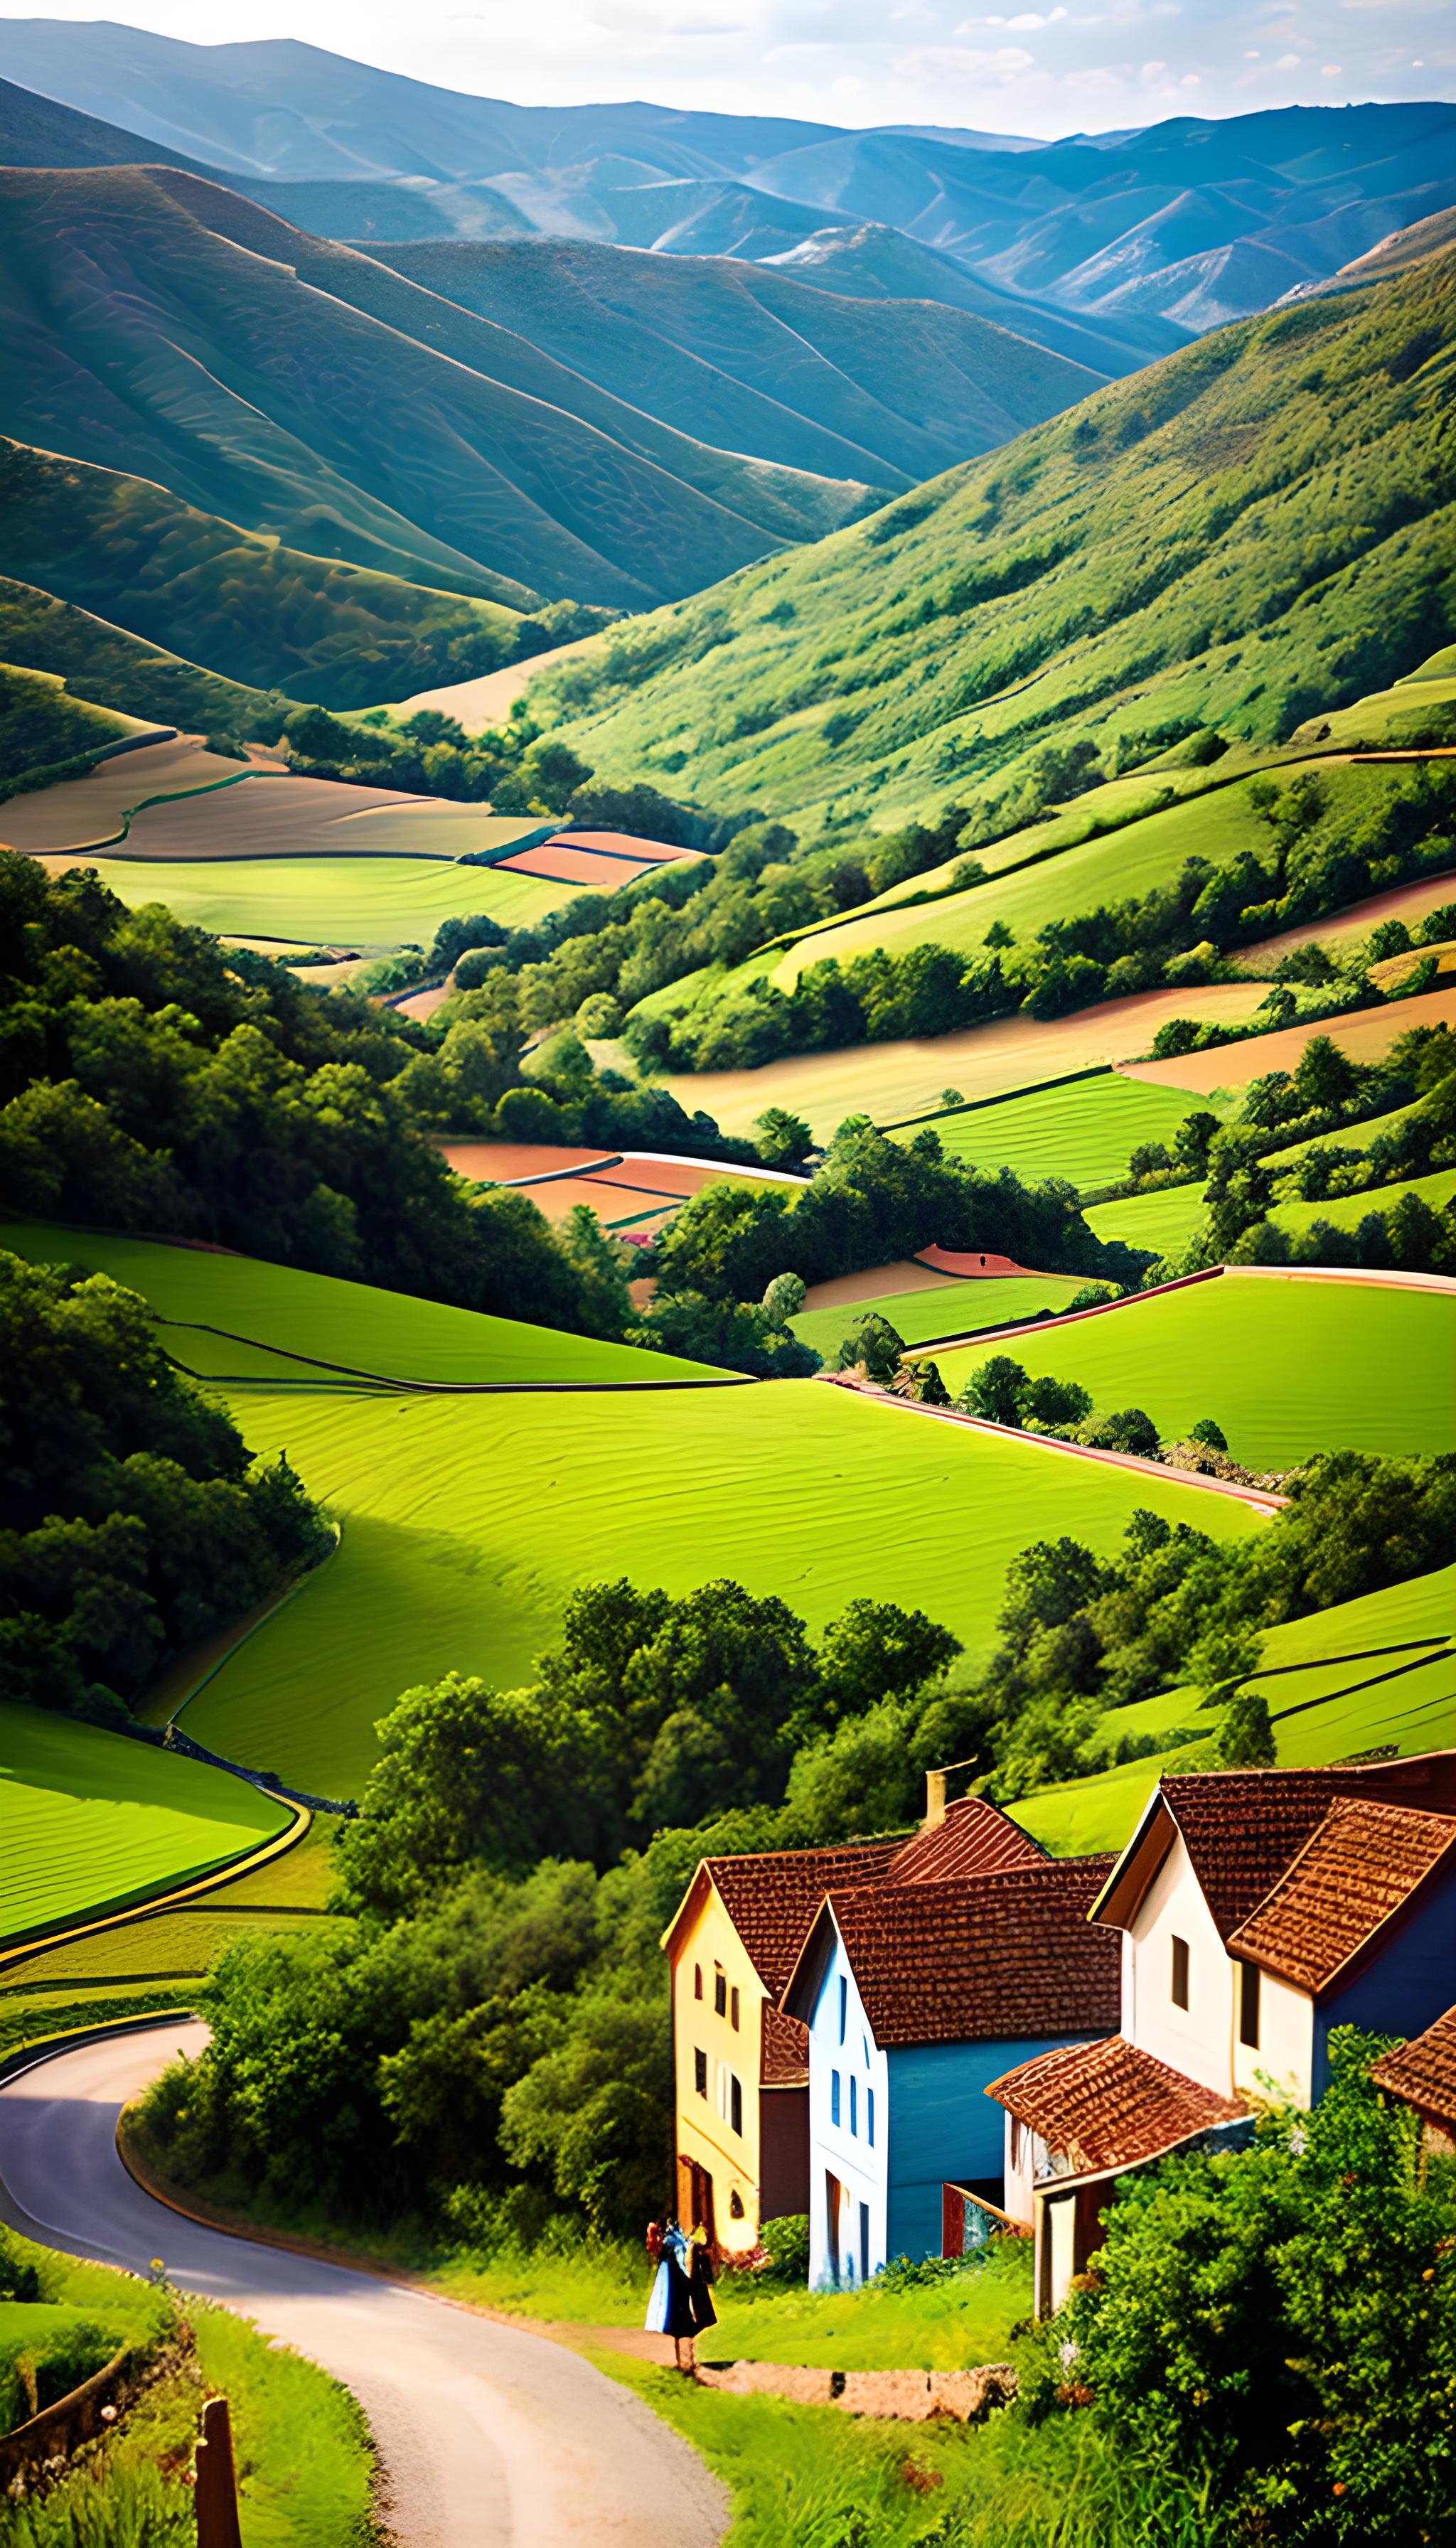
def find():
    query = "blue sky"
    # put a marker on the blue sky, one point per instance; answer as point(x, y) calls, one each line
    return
point(1055, 67)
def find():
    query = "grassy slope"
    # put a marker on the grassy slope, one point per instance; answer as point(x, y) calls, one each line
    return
point(1417, 1711)
point(1084, 1133)
point(323, 1320)
point(1168, 1219)
point(951, 1310)
point(1286, 1368)
point(225, 361)
point(467, 1522)
point(90, 1820)
point(1232, 543)
point(265, 616)
point(104, 661)
point(41, 725)
point(330, 900)
point(752, 359)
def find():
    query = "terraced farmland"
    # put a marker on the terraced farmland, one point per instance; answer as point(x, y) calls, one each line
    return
point(467, 1522)
point(90, 1821)
point(235, 1316)
point(1286, 1365)
point(1393, 1680)
point(373, 902)
point(1085, 1130)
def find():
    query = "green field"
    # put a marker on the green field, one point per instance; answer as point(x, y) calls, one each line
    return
point(332, 901)
point(1285, 1366)
point(466, 1522)
point(1326, 1712)
point(1163, 1220)
point(1347, 1212)
point(950, 1309)
point(291, 1320)
point(1085, 1132)
point(90, 1821)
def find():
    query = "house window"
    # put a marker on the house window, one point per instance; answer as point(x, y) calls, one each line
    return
point(730, 2097)
point(733, 2007)
point(720, 1990)
point(834, 2096)
point(1248, 2005)
point(697, 1981)
point(864, 2242)
point(1180, 1973)
point(735, 2205)
point(700, 2074)
point(844, 2006)
point(870, 2117)
point(854, 2104)
point(1015, 2145)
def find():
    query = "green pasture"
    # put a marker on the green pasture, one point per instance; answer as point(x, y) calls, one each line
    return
point(331, 900)
point(1345, 1137)
point(467, 1522)
point(1163, 1220)
point(1286, 1366)
point(1376, 1671)
point(90, 1821)
point(1132, 859)
point(289, 1321)
point(1346, 1212)
point(1085, 1132)
point(950, 1309)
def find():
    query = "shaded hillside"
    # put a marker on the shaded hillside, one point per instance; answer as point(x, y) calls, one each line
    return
point(752, 360)
point(41, 726)
point(262, 615)
point(400, 432)
point(1259, 528)
point(96, 660)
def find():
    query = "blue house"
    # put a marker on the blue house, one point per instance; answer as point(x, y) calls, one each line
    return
point(915, 1996)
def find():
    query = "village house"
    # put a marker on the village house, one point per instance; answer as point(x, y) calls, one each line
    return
point(1423, 2074)
point(1257, 1910)
point(914, 1994)
point(740, 2067)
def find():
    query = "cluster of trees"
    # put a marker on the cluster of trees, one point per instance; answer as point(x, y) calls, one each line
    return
point(133, 1518)
point(152, 1079)
point(1274, 2328)
point(1001, 1392)
point(1081, 1637)
point(487, 2038)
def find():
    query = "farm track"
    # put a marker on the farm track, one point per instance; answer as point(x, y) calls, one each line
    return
point(488, 2434)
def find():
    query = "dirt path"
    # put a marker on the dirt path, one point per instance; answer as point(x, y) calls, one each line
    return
point(490, 2435)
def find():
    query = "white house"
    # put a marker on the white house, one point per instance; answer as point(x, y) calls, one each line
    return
point(1258, 1909)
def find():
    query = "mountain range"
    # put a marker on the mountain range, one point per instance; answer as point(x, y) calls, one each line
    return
point(1187, 221)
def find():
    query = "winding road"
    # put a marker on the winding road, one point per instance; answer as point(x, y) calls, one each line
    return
point(490, 2437)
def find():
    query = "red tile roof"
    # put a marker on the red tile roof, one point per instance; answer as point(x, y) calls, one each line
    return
point(1108, 2105)
point(975, 1838)
point(1423, 2071)
point(786, 2054)
point(771, 1898)
point(1008, 1955)
point(1360, 1867)
point(1243, 1827)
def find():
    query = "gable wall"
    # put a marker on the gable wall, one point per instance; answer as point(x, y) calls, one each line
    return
point(1199, 2040)
point(708, 1938)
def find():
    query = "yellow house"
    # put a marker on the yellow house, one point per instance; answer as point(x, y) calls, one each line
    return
point(741, 2068)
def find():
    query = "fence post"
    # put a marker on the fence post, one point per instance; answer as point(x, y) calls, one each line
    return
point(216, 2486)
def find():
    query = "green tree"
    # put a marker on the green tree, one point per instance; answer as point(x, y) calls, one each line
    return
point(872, 1345)
point(997, 1391)
point(784, 1140)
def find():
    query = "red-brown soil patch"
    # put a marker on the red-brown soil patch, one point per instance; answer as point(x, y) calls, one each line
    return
point(508, 1162)
point(1365, 1033)
point(563, 863)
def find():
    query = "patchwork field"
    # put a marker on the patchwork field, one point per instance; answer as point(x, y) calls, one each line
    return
point(1085, 1132)
point(90, 1821)
point(1347, 1212)
point(1394, 1682)
point(467, 1522)
point(632, 1192)
point(1365, 1033)
point(893, 1082)
point(1163, 1220)
point(1407, 902)
point(77, 811)
point(337, 901)
point(291, 1320)
point(949, 1310)
point(1286, 1365)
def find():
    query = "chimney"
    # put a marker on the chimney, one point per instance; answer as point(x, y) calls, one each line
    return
point(935, 1799)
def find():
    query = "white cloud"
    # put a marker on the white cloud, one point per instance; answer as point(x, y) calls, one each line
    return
point(1329, 70)
point(1289, 62)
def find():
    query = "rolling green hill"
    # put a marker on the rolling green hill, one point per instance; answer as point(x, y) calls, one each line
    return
point(90, 1821)
point(297, 389)
point(750, 358)
point(1258, 528)
point(41, 725)
point(1084, 1132)
point(263, 616)
point(1285, 1366)
point(42, 635)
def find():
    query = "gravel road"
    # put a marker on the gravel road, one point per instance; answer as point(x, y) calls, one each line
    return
point(490, 2437)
